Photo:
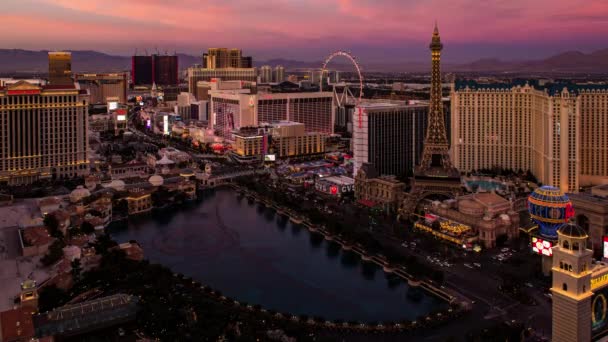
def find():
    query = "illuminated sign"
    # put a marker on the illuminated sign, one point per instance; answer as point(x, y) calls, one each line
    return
point(148, 123)
point(543, 247)
point(270, 157)
point(121, 118)
point(141, 103)
point(23, 92)
point(166, 124)
point(599, 281)
point(605, 246)
point(112, 105)
point(334, 189)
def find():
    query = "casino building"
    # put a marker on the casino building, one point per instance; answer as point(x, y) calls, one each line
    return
point(555, 130)
point(43, 132)
point(579, 288)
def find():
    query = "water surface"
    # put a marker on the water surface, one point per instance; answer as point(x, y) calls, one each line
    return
point(252, 254)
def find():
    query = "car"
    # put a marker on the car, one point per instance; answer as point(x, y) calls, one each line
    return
point(468, 265)
point(504, 250)
point(404, 244)
point(528, 285)
point(478, 265)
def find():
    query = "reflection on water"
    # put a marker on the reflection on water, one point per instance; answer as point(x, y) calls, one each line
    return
point(254, 255)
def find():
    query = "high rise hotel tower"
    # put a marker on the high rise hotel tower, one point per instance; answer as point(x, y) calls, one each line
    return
point(43, 132)
point(557, 131)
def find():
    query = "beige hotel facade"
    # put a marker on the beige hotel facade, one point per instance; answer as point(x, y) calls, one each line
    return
point(557, 131)
point(43, 132)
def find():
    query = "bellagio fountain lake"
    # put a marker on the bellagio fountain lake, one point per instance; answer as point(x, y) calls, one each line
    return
point(250, 253)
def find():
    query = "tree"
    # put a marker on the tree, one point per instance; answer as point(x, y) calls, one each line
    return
point(54, 254)
point(51, 297)
point(76, 269)
point(87, 228)
point(50, 221)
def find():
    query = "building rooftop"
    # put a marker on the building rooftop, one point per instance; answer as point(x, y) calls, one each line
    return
point(36, 236)
point(551, 88)
point(341, 180)
point(16, 325)
point(385, 104)
point(87, 316)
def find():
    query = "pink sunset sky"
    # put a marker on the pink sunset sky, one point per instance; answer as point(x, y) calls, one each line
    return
point(380, 30)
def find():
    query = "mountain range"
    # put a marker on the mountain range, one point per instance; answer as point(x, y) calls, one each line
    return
point(32, 62)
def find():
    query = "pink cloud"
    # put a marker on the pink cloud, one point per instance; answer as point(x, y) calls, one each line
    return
point(283, 24)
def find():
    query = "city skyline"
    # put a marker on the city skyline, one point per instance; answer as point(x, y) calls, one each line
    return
point(383, 31)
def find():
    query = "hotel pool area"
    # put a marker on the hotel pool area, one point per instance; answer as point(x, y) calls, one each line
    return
point(253, 255)
point(484, 185)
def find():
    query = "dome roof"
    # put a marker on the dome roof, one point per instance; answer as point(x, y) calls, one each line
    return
point(79, 193)
point(165, 161)
point(572, 230)
point(548, 195)
point(186, 172)
point(156, 180)
point(116, 184)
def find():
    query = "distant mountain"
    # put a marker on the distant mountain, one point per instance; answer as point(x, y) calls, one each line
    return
point(32, 62)
point(25, 61)
point(570, 61)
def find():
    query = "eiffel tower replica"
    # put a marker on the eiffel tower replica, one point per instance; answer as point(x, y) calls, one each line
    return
point(435, 175)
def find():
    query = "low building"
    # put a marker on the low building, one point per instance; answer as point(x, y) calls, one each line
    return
point(184, 186)
point(103, 209)
point(374, 190)
point(335, 185)
point(35, 240)
point(76, 319)
point(128, 170)
point(132, 250)
point(487, 213)
point(139, 200)
point(16, 325)
point(282, 139)
point(49, 205)
point(102, 86)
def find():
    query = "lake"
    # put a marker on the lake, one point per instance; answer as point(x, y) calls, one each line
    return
point(250, 253)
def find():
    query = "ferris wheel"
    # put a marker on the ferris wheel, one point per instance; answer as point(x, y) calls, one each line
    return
point(350, 57)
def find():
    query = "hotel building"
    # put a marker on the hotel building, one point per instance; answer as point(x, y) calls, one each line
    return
point(389, 135)
point(232, 110)
point(156, 69)
point(282, 139)
point(43, 132)
point(60, 68)
point(104, 86)
point(222, 58)
point(196, 74)
point(557, 131)
point(265, 74)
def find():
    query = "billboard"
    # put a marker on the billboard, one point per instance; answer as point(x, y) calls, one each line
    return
point(166, 124)
point(270, 157)
point(605, 246)
point(121, 118)
point(112, 105)
point(148, 123)
point(542, 247)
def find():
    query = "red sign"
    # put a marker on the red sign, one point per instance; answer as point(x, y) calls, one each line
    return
point(333, 190)
point(121, 111)
point(24, 92)
point(542, 247)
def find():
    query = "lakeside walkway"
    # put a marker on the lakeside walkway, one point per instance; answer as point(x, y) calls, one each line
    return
point(451, 296)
